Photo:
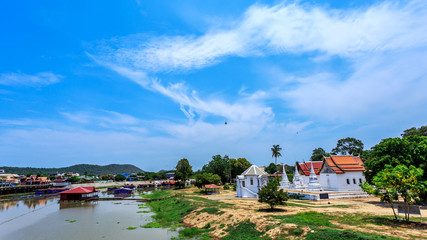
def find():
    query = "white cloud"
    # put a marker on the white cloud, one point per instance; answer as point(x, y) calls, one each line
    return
point(382, 86)
point(103, 118)
point(39, 79)
point(283, 28)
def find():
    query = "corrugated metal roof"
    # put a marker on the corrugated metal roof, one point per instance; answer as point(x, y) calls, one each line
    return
point(80, 190)
point(253, 171)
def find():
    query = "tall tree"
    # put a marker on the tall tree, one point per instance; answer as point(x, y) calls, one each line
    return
point(206, 178)
point(318, 154)
point(348, 146)
point(183, 170)
point(422, 131)
point(394, 182)
point(271, 168)
point(220, 166)
point(410, 150)
point(275, 152)
point(238, 166)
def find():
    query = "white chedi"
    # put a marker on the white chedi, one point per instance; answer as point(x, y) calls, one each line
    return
point(297, 181)
point(313, 181)
point(285, 181)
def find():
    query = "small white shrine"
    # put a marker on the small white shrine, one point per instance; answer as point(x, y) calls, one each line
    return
point(250, 182)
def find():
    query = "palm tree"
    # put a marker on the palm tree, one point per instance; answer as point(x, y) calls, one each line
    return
point(275, 150)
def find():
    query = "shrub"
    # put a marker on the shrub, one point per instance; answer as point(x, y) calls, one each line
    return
point(270, 195)
point(226, 187)
point(234, 186)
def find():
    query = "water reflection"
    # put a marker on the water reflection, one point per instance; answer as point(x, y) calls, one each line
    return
point(82, 204)
point(30, 203)
point(51, 219)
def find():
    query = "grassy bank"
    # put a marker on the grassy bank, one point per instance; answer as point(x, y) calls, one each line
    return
point(229, 221)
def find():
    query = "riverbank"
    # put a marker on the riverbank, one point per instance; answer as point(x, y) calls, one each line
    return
point(224, 216)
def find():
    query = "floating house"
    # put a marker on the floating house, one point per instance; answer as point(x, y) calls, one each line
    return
point(123, 190)
point(250, 182)
point(50, 191)
point(79, 194)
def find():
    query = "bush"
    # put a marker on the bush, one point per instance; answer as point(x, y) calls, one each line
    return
point(180, 184)
point(234, 186)
point(269, 194)
point(226, 187)
point(119, 178)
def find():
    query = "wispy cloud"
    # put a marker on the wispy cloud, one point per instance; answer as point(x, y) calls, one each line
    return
point(282, 28)
point(103, 118)
point(22, 79)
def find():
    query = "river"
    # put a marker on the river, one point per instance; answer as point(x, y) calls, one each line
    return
point(49, 219)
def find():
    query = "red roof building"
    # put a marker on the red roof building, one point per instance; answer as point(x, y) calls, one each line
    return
point(342, 164)
point(78, 194)
point(304, 168)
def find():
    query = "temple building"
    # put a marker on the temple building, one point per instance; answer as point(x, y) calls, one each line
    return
point(250, 182)
point(342, 173)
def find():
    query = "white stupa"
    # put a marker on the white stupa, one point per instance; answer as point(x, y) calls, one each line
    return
point(297, 181)
point(313, 181)
point(285, 181)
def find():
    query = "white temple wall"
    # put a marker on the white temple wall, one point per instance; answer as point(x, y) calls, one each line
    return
point(348, 181)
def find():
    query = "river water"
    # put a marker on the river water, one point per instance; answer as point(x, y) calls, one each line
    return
point(49, 219)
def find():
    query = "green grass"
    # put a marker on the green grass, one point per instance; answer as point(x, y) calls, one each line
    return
point(209, 203)
point(328, 233)
point(211, 210)
point(294, 204)
point(152, 225)
point(244, 231)
point(297, 231)
point(131, 228)
point(310, 219)
point(190, 232)
point(170, 211)
point(158, 194)
point(143, 212)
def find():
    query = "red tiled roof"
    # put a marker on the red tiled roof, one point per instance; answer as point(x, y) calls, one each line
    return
point(80, 190)
point(211, 186)
point(341, 164)
point(305, 167)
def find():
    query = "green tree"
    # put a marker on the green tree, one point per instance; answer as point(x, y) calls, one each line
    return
point(271, 169)
point(74, 179)
point(271, 195)
point(275, 152)
point(119, 178)
point(348, 146)
point(318, 154)
point(422, 131)
point(238, 166)
point(392, 182)
point(183, 170)
point(206, 178)
point(220, 166)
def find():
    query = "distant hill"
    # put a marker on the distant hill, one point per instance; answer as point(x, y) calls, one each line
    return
point(80, 168)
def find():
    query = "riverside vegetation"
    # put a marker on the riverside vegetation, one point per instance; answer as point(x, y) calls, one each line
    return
point(193, 215)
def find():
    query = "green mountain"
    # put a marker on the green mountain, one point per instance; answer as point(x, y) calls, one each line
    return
point(80, 168)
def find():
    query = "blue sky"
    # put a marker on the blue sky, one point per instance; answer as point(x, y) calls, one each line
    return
point(151, 82)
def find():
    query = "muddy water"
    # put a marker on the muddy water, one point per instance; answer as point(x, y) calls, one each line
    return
point(48, 219)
